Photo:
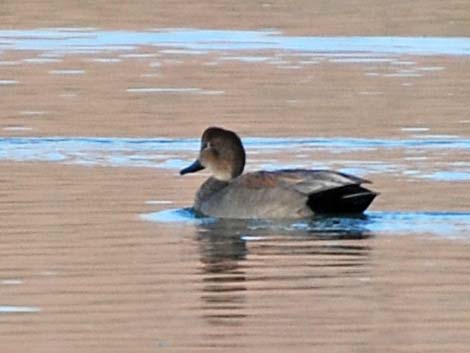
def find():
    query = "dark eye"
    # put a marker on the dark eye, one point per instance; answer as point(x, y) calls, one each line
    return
point(206, 145)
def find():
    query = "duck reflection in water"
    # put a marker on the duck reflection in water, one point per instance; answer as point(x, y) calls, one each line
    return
point(223, 249)
point(231, 252)
point(223, 242)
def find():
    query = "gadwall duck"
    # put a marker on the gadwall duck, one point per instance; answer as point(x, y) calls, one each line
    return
point(287, 193)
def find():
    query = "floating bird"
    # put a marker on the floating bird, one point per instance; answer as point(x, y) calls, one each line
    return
point(285, 193)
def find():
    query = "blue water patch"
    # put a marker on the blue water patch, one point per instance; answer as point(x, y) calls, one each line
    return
point(76, 40)
point(192, 144)
point(448, 176)
point(447, 224)
point(10, 309)
point(174, 154)
point(443, 224)
point(178, 215)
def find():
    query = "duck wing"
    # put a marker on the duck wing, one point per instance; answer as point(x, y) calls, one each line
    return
point(325, 191)
point(309, 182)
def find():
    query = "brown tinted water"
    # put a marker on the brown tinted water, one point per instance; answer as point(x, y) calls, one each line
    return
point(98, 252)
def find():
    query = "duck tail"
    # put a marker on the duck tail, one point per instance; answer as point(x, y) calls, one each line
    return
point(349, 199)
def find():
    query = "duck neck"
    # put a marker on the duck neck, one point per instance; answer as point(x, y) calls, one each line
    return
point(210, 187)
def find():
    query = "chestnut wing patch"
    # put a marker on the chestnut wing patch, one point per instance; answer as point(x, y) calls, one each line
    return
point(266, 180)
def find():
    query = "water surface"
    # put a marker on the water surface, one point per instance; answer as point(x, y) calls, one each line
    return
point(426, 156)
point(99, 249)
point(90, 40)
point(451, 225)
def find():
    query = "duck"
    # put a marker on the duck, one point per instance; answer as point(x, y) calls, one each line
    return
point(279, 194)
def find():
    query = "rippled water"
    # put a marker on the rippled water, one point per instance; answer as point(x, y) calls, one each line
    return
point(454, 225)
point(76, 40)
point(101, 252)
point(427, 156)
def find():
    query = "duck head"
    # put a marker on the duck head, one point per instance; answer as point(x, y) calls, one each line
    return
point(221, 152)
